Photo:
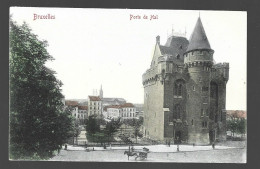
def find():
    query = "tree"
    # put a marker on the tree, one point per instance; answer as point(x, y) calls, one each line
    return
point(232, 126)
point(125, 139)
point(76, 130)
point(135, 124)
point(39, 124)
point(111, 128)
point(241, 126)
point(92, 125)
point(94, 132)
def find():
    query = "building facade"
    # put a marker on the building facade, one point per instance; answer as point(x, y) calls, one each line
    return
point(124, 111)
point(128, 111)
point(94, 106)
point(113, 111)
point(185, 91)
point(82, 114)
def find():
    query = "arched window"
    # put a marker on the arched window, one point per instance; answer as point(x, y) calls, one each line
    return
point(179, 88)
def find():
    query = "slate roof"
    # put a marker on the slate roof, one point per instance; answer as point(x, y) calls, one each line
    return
point(127, 105)
point(198, 39)
point(112, 106)
point(94, 98)
point(71, 103)
point(174, 46)
point(83, 107)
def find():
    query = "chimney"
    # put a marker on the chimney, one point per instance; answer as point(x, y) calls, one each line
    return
point(158, 39)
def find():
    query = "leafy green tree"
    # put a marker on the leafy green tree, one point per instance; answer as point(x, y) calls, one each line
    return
point(111, 128)
point(241, 126)
point(92, 125)
point(39, 125)
point(76, 130)
point(135, 124)
point(125, 139)
point(232, 126)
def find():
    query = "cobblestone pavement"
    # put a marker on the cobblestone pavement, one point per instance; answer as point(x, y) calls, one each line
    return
point(232, 155)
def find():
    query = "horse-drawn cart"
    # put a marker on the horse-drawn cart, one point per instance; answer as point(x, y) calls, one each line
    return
point(138, 154)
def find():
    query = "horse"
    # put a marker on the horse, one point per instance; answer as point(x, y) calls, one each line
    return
point(130, 154)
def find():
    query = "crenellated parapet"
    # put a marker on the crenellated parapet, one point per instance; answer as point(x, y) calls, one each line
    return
point(198, 56)
point(150, 76)
point(220, 71)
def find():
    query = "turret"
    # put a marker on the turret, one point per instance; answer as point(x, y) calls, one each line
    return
point(199, 60)
point(199, 51)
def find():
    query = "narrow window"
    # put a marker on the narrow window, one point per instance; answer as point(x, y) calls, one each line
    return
point(180, 90)
point(176, 89)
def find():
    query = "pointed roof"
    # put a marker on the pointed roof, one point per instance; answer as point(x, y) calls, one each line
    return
point(198, 39)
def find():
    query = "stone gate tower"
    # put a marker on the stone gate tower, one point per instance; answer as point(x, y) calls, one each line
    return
point(198, 59)
point(185, 91)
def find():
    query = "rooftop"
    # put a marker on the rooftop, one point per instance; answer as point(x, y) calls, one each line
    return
point(71, 103)
point(198, 39)
point(83, 107)
point(94, 98)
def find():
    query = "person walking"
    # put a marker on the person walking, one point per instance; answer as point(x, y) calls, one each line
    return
point(213, 145)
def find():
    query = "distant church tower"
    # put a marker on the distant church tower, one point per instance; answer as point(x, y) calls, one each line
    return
point(101, 92)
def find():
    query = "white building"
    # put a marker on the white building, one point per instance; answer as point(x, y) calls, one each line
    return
point(94, 106)
point(128, 111)
point(113, 111)
point(79, 112)
point(82, 113)
point(124, 111)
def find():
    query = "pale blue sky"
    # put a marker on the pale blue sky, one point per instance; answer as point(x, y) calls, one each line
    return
point(103, 46)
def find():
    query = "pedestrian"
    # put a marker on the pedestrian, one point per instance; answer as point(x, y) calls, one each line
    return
point(213, 145)
point(169, 143)
point(193, 144)
point(178, 148)
point(65, 147)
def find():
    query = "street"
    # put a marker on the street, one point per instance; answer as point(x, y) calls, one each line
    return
point(226, 155)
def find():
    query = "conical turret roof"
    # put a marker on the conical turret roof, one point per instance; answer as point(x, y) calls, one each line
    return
point(198, 39)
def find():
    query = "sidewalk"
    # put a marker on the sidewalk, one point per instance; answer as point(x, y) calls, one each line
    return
point(152, 148)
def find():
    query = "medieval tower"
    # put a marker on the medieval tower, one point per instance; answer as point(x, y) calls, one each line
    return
point(185, 91)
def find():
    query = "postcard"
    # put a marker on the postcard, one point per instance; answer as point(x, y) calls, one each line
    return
point(128, 85)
